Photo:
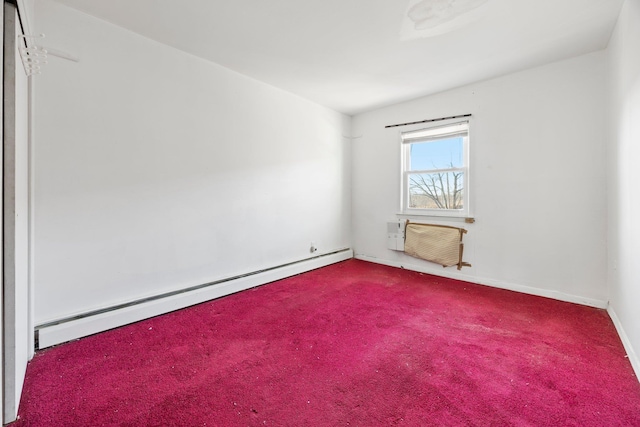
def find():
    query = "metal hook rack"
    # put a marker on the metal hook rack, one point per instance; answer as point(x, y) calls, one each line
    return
point(33, 56)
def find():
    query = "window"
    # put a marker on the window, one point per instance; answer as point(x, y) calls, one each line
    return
point(435, 170)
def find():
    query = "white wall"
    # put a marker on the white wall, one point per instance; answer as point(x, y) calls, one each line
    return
point(624, 176)
point(156, 170)
point(538, 180)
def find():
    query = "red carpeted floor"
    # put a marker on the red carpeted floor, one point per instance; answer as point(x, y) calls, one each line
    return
point(353, 344)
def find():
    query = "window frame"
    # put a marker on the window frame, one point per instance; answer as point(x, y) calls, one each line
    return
point(405, 153)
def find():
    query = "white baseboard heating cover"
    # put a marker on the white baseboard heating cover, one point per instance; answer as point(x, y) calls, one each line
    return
point(63, 330)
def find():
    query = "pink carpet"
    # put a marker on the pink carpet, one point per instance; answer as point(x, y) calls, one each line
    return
point(353, 344)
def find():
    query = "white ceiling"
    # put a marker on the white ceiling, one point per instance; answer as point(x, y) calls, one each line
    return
point(357, 55)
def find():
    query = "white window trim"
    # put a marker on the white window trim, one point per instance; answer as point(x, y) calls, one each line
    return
point(466, 212)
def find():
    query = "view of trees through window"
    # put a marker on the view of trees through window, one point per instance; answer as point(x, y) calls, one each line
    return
point(436, 174)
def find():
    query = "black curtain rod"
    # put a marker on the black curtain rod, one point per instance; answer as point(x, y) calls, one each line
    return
point(427, 121)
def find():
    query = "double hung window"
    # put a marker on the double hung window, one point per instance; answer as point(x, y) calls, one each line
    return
point(435, 170)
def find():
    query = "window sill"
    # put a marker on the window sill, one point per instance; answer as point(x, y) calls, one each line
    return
point(444, 217)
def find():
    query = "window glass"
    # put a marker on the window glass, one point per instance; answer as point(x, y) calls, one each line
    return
point(442, 190)
point(438, 154)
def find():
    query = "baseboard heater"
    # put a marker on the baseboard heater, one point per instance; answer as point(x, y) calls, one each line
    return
point(73, 327)
point(441, 244)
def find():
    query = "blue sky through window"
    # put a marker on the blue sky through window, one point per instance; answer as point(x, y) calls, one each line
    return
point(439, 154)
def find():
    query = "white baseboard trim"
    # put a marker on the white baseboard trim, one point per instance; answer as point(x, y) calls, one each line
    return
point(631, 354)
point(489, 282)
point(54, 333)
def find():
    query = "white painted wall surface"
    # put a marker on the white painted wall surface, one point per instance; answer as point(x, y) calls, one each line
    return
point(624, 176)
point(156, 170)
point(538, 180)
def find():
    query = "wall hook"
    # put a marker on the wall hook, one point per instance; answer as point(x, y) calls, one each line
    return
point(33, 56)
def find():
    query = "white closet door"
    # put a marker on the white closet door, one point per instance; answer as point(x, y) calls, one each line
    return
point(15, 175)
